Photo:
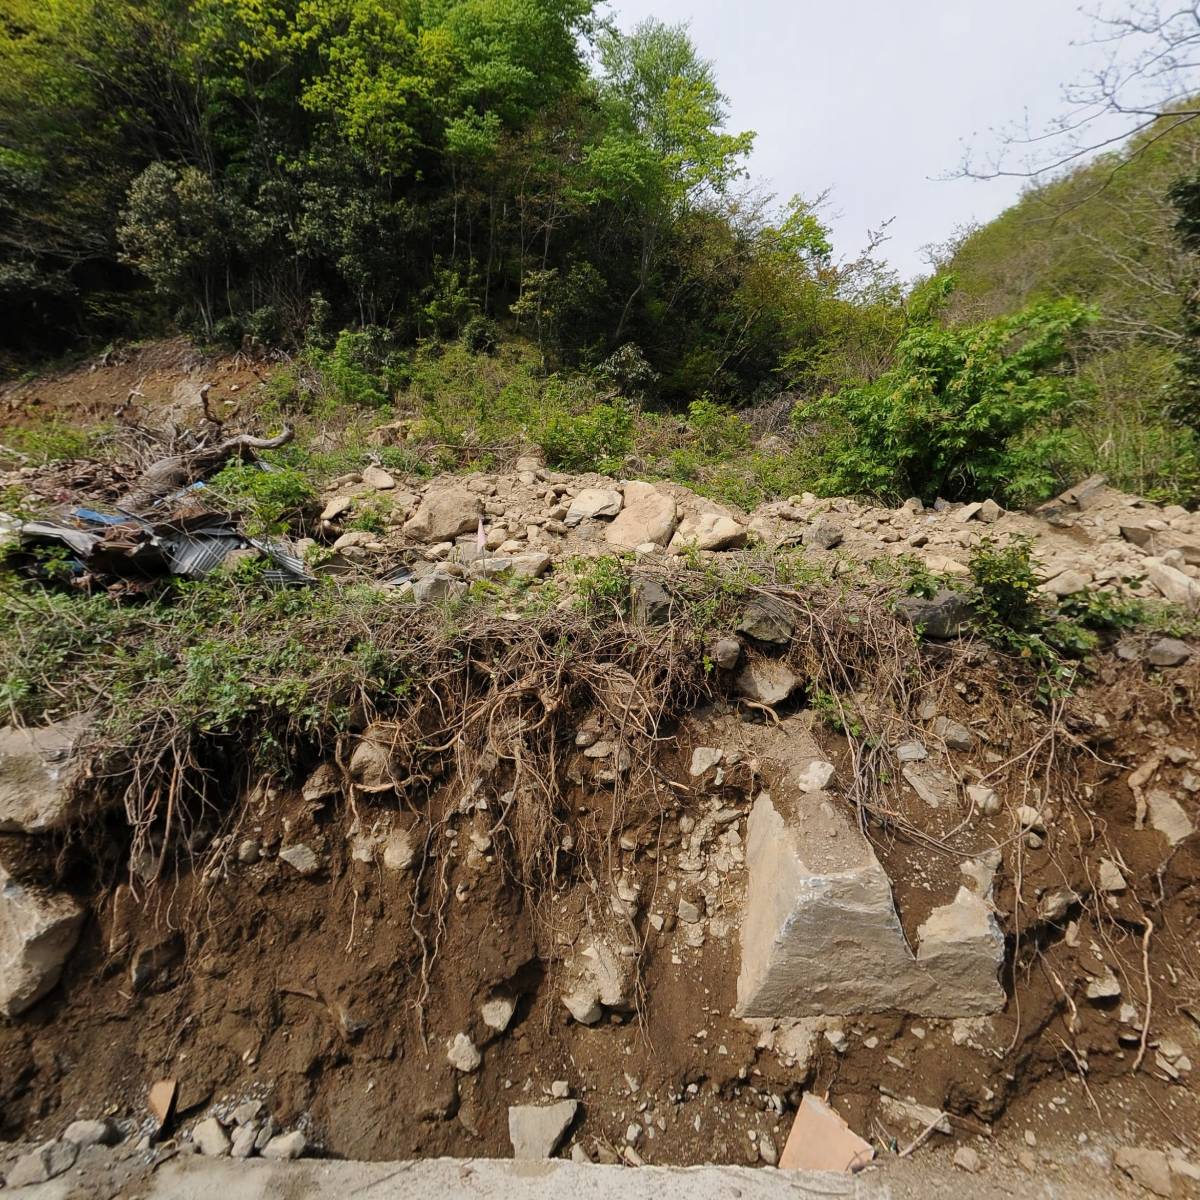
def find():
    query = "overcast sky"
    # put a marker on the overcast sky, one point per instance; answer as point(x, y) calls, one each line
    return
point(875, 99)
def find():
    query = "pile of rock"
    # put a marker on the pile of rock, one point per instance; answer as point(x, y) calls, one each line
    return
point(245, 1131)
point(455, 529)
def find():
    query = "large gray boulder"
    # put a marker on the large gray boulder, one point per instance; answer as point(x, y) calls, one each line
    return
point(35, 770)
point(443, 514)
point(710, 530)
point(768, 619)
point(648, 516)
point(37, 933)
point(1177, 587)
point(820, 931)
point(592, 503)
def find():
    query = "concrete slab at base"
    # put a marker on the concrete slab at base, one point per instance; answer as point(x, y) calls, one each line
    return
point(198, 1178)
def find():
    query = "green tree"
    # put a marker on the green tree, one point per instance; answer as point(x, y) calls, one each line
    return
point(665, 151)
point(172, 230)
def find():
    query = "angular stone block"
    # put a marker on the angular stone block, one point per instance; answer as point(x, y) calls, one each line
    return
point(821, 935)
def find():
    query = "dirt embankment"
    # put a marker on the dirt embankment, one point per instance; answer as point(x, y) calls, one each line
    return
point(531, 879)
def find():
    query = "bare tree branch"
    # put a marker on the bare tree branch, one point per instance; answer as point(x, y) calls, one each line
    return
point(1151, 74)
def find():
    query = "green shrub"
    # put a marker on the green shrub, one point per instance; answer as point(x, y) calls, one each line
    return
point(55, 441)
point(272, 501)
point(1015, 617)
point(1006, 597)
point(227, 331)
point(481, 335)
point(595, 440)
point(964, 411)
point(362, 367)
point(718, 432)
point(264, 325)
point(602, 584)
point(628, 371)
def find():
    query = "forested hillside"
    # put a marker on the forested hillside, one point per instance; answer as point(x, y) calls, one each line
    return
point(292, 169)
point(388, 192)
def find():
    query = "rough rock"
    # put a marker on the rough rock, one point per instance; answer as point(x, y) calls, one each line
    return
point(35, 767)
point(767, 620)
point(377, 478)
point(371, 761)
point(47, 1162)
point(766, 681)
point(955, 735)
point(302, 858)
point(933, 786)
point(398, 850)
point(211, 1138)
point(433, 589)
point(1168, 816)
point(1173, 583)
point(709, 531)
point(242, 1142)
point(911, 751)
point(497, 1013)
point(286, 1146)
point(984, 798)
point(92, 1133)
point(913, 1116)
point(268, 1131)
point(1103, 988)
point(443, 514)
point(1147, 1168)
point(815, 777)
point(824, 533)
point(1168, 652)
point(704, 759)
point(246, 1112)
point(1067, 583)
point(820, 932)
point(726, 653)
point(966, 1159)
point(598, 977)
point(820, 1140)
point(1111, 879)
point(324, 783)
point(945, 616)
point(651, 602)
point(536, 1130)
point(592, 503)
point(1086, 493)
point(37, 933)
point(648, 516)
point(336, 507)
point(462, 1054)
point(533, 565)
